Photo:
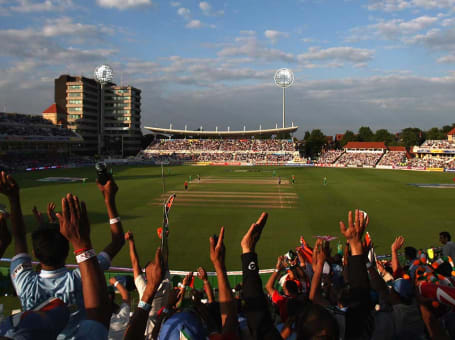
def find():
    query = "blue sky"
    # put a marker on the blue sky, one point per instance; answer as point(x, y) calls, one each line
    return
point(382, 63)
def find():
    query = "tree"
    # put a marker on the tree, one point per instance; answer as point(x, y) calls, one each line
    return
point(365, 134)
point(347, 137)
point(435, 133)
point(412, 136)
point(383, 135)
point(314, 143)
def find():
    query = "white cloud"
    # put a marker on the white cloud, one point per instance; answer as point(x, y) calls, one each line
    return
point(399, 5)
point(205, 7)
point(194, 24)
point(342, 53)
point(27, 6)
point(251, 47)
point(175, 4)
point(184, 12)
point(273, 36)
point(436, 39)
point(448, 59)
point(123, 4)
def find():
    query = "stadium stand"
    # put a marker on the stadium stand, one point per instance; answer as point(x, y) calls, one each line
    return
point(361, 154)
point(222, 150)
point(31, 141)
point(395, 156)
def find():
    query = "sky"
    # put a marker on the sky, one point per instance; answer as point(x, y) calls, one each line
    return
point(379, 63)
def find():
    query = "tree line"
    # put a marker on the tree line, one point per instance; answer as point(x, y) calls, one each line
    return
point(315, 141)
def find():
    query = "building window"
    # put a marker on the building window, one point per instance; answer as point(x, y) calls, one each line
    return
point(75, 87)
point(75, 94)
point(75, 101)
point(75, 109)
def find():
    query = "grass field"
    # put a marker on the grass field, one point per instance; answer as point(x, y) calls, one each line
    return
point(234, 197)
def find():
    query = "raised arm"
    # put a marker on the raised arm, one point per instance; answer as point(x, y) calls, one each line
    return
point(396, 245)
point(5, 236)
point(270, 285)
point(129, 237)
point(122, 290)
point(75, 226)
point(10, 189)
point(154, 273)
point(319, 257)
point(202, 275)
point(256, 308)
point(228, 307)
point(109, 192)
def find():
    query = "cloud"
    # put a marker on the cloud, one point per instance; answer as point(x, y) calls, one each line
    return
point(251, 47)
point(436, 39)
point(273, 36)
point(342, 53)
point(194, 24)
point(184, 12)
point(27, 6)
point(400, 5)
point(206, 9)
point(175, 4)
point(124, 4)
point(396, 28)
point(448, 59)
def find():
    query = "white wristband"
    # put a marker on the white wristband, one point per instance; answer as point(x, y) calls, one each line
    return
point(116, 283)
point(144, 305)
point(114, 220)
point(86, 255)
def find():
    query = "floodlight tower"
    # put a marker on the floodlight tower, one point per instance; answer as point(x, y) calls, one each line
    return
point(284, 78)
point(103, 75)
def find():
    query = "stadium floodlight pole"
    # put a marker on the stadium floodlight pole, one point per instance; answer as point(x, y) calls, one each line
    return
point(103, 75)
point(284, 78)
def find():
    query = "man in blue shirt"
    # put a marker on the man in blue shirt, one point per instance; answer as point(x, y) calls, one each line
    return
point(51, 249)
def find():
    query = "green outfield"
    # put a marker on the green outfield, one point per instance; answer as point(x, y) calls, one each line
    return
point(234, 197)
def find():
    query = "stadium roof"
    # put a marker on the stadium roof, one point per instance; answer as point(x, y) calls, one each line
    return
point(241, 133)
point(397, 148)
point(451, 132)
point(365, 145)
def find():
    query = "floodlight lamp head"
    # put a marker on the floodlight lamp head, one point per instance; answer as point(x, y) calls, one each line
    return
point(103, 74)
point(284, 77)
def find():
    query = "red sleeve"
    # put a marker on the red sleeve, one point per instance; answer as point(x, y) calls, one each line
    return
point(277, 297)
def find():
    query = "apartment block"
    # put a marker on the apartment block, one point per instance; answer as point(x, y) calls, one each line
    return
point(78, 106)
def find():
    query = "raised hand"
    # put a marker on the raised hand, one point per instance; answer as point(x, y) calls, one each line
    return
point(51, 212)
point(108, 190)
point(8, 186)
point(74, 223)
point(129, 236)
point(319, 255)
point(253, 234)
point(201, 274)
point(218, 250)
point(397, 244)
point(154, 272)
point(355, 230)
point(37, 214)
point(280, 263)
point(187, 279)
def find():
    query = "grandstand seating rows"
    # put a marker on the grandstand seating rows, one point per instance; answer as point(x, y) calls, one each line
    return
point(28, 125)
point(221, 150)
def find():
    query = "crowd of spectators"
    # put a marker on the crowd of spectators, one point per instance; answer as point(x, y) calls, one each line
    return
point(438, 144)
point(222, 150)
point(428, 162)
point(393, 158)
point(313, 293)
point(21, 161)
point(30, 125)
point(330, 156)
point(232, 145)
point(359, 159)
